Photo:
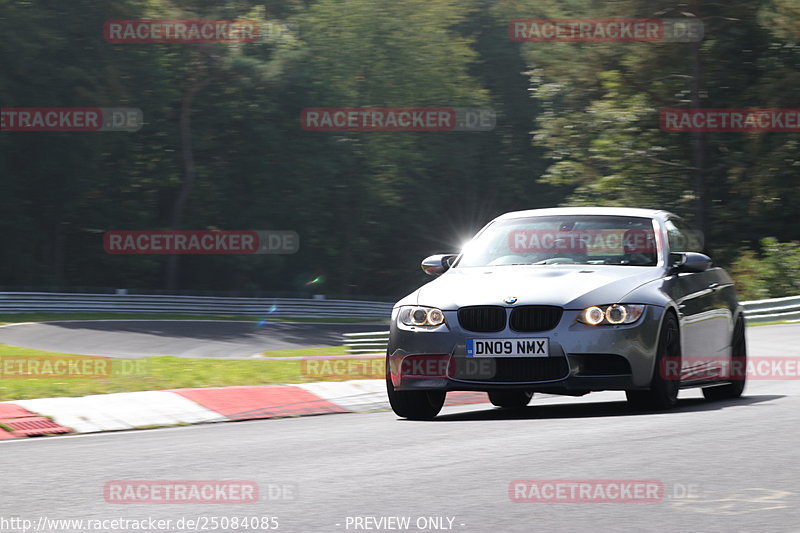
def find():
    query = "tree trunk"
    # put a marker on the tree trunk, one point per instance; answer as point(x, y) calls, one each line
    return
point(698, 138)
point(189, 172)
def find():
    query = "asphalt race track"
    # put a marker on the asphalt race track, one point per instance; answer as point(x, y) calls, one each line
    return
point(725, 466)
point(182, 338)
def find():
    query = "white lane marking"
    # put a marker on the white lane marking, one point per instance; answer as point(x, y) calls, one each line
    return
point(750, 500)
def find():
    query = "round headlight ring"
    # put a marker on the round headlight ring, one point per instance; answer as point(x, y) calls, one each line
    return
point(616, 314)
point(435, 317)
point(593, 315)
point(419, 317)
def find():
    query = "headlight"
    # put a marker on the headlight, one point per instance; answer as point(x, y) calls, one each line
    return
point(413, 315)
point(611, 315)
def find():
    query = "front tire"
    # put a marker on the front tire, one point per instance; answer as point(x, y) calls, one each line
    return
point(663, 392)
point(738, 368)
point(414, 405)
point(510, 399)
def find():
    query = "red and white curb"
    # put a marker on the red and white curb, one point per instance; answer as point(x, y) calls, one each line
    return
point(148, 409)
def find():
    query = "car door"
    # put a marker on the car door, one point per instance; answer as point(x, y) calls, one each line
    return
point(704, 318)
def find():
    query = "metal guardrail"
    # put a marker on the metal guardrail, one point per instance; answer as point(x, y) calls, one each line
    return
point(47, 302)
point(374, 343)
point(369, 343)
point(774, 309)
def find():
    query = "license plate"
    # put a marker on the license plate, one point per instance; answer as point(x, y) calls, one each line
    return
point(508, 348)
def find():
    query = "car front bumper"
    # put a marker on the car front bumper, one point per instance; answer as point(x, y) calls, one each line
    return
point(581, 358)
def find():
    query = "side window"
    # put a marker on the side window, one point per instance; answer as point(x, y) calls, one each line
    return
point(682, 238)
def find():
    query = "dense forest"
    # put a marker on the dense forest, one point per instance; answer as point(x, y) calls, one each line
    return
point(222, 145)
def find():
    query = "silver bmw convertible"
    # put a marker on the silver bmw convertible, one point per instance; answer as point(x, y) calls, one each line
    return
point(569, 301)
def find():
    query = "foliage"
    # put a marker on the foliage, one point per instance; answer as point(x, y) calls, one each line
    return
point(577, 123)
point(166, 372)
point(775, 274)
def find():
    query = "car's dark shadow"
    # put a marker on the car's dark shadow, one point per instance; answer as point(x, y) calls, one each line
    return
point(599, 409)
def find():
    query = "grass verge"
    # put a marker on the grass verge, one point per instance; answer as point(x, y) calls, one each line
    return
point(17, 381)
point(773, 323)
point(305, 352)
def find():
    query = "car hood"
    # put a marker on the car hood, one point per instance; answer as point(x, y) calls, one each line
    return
point(567, 286)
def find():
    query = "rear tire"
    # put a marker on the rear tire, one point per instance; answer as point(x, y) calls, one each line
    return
point(414, 405)
point(510, 399)
point(663, 393)
point(739, 361)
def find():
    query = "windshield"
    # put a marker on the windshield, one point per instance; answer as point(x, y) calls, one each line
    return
point(544, 240)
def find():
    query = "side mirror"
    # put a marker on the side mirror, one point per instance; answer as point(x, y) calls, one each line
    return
point(436, 265)
point(689, 262)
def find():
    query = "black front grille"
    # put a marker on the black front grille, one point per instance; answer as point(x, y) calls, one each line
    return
point(512, 369)
point(482, 318)
point(535, 318)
